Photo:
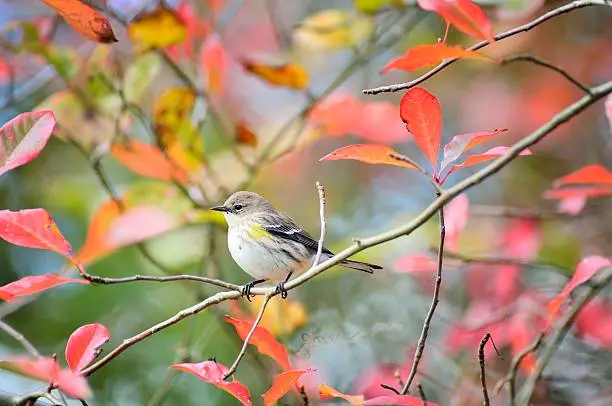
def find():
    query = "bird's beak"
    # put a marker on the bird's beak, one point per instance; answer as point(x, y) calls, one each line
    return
point(220, 208)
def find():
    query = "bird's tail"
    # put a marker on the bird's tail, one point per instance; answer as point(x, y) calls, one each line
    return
point(360, 266)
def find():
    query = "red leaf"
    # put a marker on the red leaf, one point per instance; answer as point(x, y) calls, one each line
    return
point(593, 174)
point(465, 15)
point(369, 153)
point(34, 228)
point(415, 263)
point(213, 372)
point(83, 344)
point(282, 384)
point(578, 192)
point(585, 270)
point(23, 137)
point(84, 19)
point(214, 61)
point(480, 158)
point(264, 341)
point(46, 369)
point(594, 321)
point(521, 337)
point(343, 114)
point(456, 215)
point(147, 160)
point(30, 285)
point(464, 142)
point(396, 400)
point(423, 56)
point(421, 113)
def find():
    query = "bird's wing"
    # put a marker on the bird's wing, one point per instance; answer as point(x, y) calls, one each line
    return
point(292, 232)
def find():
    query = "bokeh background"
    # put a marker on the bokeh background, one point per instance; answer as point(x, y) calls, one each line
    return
point(355, 330)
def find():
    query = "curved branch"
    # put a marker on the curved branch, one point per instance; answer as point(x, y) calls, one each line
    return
point(134, 278)
point(495, 166)
point(575, 5)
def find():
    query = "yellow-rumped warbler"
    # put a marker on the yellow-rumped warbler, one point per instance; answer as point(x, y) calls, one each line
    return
point(268, 245)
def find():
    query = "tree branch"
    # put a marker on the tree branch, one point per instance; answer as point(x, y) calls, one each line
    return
point(601, 280)
point(20, 338)
point(434, 304)
point(575, 5)
point(481, 362)
point(495, 166)
point(548, 65)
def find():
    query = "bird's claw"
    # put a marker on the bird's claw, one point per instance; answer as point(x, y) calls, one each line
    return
point(246, 290)
point(280, 290)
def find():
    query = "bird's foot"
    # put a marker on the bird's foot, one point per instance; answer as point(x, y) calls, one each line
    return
point(246, 289)
point(280, 290)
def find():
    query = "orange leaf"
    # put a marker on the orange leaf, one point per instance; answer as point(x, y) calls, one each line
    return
point(464, 142)
point(34, 228)
point(585, 270)
point(46, 369)
point(213, 372)
point(23, 137)
point(95, 245)
point(282, 384)
point(420, 111)
point(595, 174)
point(423, 56)
point(288, 75)
point(465, 15)
point(214, 62)
point(369, 153)
point(30, 285)
point(480, 158)
point(264, 341)
point(147, 160)
point(83, 344)
point(327, 392)
point(245, 136)
point(84, 19)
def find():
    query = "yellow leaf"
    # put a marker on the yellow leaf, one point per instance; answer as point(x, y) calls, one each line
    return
point(158, 29)
point(372, 6)
point(282, 316)
point(288, 75)
point(334, 29)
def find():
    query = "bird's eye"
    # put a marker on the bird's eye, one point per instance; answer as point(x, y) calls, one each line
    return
point(238, 207)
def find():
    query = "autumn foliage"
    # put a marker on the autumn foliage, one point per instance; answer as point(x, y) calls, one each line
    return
point(485, 199)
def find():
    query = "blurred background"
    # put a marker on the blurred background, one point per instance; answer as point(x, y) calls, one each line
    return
point(246, 132)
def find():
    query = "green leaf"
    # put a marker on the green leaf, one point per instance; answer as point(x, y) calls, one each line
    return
point(139, 75)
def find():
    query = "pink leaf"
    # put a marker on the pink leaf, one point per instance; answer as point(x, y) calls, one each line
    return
point(484, 157)
point(47, 370)
point(464, 142)
point(575, 192)
point(396, 400)
point(572, 205)
point(83, 344)
point(213, 372)
point(420, 111)
point(23, 137)
point(30, 285)
point(609, 110)
point(456, 215)
point(414, 263)
point(594, 321)
point(522, 239)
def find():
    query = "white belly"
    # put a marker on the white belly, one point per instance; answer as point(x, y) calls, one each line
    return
point(256, 260)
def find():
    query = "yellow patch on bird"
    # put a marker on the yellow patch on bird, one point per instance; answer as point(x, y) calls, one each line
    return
point(257, 232)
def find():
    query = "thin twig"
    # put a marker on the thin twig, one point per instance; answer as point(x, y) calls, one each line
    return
point(548, 65)
point(434, 304)
point(234, 366)
point(575, 5)
point(391, 388)
point(481, 362)
point(603, 278)
point(172, 278)
point(422, 394)
point(33, 396)
point(321, 193)
point(20, 338)
point(495, 166)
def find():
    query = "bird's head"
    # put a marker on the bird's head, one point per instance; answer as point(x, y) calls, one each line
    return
point(242, 204)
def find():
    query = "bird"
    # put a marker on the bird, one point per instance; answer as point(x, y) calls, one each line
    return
point(268, 245)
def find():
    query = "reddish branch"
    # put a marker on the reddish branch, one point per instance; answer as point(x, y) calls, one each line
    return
point(575, 5)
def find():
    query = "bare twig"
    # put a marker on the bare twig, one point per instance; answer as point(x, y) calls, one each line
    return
point(548, 65)
point(422, 394)
point(20, 338)
point(495, 166)
point(575, 5)
point(321, 193)
point(391, 388)
point(434, 304)
point(33, 396)
point(172, 278)
point(234, 366)
point(603, 278)
point(481, 362)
